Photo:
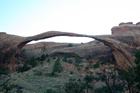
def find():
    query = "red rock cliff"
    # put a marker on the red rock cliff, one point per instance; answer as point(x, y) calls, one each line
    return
point(123, 27)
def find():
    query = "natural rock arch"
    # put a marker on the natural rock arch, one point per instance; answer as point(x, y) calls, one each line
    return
point(123, 58)
point(123, 53)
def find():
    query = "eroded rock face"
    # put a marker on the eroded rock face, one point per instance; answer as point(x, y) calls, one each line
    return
point(123, 45)
point(94, 49)
point(123, 27)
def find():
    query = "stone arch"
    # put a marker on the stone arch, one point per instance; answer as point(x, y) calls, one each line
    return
point(123, 57)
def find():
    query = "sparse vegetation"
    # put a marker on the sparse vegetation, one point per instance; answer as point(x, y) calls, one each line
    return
point(74, 87)
point(57, 66)
point(23, 68)
point(78, 60)
point(133, 75)
point(8, 88)
point(52, 68)
point(32, 62)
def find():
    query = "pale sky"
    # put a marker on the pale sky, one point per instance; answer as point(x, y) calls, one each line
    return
point(91, 17)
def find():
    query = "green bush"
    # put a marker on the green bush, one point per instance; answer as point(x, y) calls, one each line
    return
point(49, 60)
point(23, 68)
point(70, 45)
point(52, 74)
point(89, 57)
point(76, 64)
point(32, 62)
point(47, 55)
point(43, 57)
point(78, 60)
point(2, 72)
point(104, 89)
point(57, 66)
point(74, 87)
point(65, 59)
point(87, 67)
point(50, 91)
point(70, 61)
point(38, 73)
point(132, 76)
point(96, 65)
point(88, 78)
point(71, 72)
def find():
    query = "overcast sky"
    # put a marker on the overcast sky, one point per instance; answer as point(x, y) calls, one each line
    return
point(91, 17)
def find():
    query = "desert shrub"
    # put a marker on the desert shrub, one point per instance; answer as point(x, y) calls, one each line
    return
point(38, 58)
point(19, 91)
point(79, 80)
point(74, 87)
point(23, 68)
point(71, 72)
point(57, 66)
point(54, 57)
point(70, 45)
point(42, 58)
point(2, 72)
point(70, 61)
point(47, 55)
point(89, 57)
point(76, 64)
point(87, 67)
point(52, 74)
point(81, 65)
point(68, 55)
point(78, 69)
point(50, 91)
point(78, 60)
point(7, 87)
point(96, 78)
point(32, 62)
point(96, 65)
point(41, 62)
point(88, 78)
point(49, 60)
point(104, 89)
point(132, 76)
point(65, 59)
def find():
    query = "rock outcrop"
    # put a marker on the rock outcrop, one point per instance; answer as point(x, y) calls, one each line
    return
point(124, 43)
point(123, 27)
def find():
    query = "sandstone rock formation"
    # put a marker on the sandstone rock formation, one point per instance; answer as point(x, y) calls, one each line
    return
point(123, 45)
point(123, 27)
point(95, 49)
